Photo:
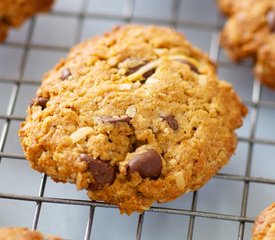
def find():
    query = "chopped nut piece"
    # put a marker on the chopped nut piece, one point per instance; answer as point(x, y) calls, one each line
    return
point(113, 61)
point(173, 162)
point(179, 180)
point(272, 228)
point(136, 84)
point(202, 80)
point(152, 80)
point(131, 111)
point(123, 118)
point(125, 86)
point(131, 62)
point(80, 134)
point(160, 51)
point(167, 130)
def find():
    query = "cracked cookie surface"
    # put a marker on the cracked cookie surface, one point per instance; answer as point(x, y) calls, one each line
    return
point(14, 12)
point(250, 32)
point(264, 226)
point(135, 116)
point(17, 233)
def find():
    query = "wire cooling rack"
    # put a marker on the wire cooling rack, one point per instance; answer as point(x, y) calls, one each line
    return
point(223, 209)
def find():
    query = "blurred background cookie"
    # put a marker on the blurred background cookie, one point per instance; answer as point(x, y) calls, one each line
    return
point(249, 32)
point(18, 233)
point(14, 12)
point(264, 227)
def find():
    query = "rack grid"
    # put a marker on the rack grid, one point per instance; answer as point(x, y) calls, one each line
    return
point(256, 97)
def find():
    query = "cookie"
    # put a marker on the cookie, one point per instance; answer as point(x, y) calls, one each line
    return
point(135, 116)
point(13, 233)
point(230, 7)
point(264, 226)
point(14, 12)
point(249, 32)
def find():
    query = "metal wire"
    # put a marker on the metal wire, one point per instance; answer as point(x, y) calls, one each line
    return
point(15, 89)
point(127, 16)
point(39, 203)
point(192, 218)
point(89, 223)
point(140, 225)
point(256, 94)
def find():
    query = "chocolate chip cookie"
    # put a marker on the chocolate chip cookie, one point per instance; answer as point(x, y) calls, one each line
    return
point(264, 226)
point(250, 32)
point(135, 116)
point(13, 233)
point(14, 12)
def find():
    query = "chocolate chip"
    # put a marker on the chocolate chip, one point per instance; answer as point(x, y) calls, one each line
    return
point(102, 171)
point(65, 74)
point(147, 164)
point(134, 69)
point(148, 73)
point(41, 102)
point(191, 65)
point(124, 118)
point(270, 17)
point(173, 123)
point(5, 20)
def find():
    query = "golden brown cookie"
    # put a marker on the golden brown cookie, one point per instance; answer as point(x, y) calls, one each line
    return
point(249, 32)
point(229, 7)
point(16, 233)
point(14, 12)
point(135, 116)
point(264, 226)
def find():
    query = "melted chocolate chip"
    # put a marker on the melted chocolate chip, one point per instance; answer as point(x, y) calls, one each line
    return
point(65, 74)
point(134, 69)
point(42, 102)
point(102, 171)
point(147, 164)
point(148, 73)
point(270, 17)
point(191, 65)
point(5, 20)
point(173, 123)
point(124, 118)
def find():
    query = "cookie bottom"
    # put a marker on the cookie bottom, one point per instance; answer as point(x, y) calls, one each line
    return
point(16, 233)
